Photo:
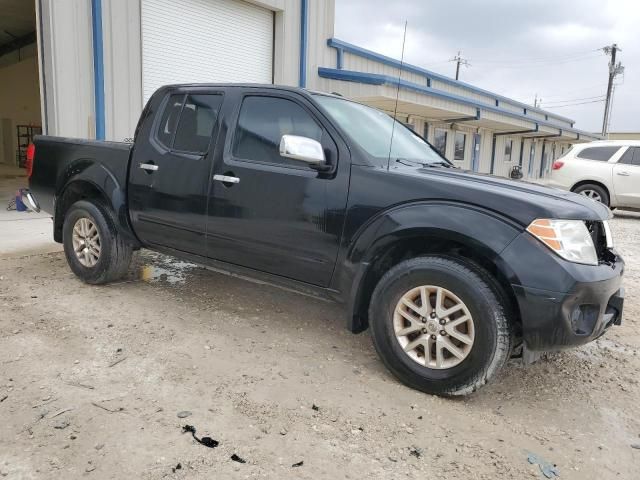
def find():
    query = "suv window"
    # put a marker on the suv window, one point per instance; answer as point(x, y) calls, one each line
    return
point(262, 123)
point(602, 154)
point(196, 123)
point(169, 119)
point(631, 156)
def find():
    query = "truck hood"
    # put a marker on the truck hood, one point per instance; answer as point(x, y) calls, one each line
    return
point(522, 201)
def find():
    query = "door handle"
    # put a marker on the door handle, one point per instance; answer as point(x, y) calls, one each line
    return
point(150, 167)
point(226, 179)
point(623, 174)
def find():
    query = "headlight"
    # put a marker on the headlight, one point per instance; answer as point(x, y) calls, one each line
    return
point(568, 238)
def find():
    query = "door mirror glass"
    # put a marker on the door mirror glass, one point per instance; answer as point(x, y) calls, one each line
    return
point(303, 149)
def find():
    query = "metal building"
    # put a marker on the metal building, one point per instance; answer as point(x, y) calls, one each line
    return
point(96, 62)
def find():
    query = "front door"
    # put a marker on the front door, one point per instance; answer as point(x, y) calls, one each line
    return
point(626, 178)
point(270, 213)
point(169, 173)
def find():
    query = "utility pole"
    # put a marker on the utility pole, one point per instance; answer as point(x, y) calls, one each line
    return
point(614, 70)
point(459, 61)
point(537, 102)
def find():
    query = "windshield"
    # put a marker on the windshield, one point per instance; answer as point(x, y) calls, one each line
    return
point(371, 130)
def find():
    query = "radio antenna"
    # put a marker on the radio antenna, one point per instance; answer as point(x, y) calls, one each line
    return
point(395, 109)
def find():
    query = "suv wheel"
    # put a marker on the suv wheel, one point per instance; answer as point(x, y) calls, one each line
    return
point(439, 325)
point(594, 192)
point(95, 251)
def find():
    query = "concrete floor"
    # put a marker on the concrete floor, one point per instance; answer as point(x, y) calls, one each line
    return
point(22, 233)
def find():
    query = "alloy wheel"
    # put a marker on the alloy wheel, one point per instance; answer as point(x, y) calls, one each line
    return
point(86, 242)
point(433, 327)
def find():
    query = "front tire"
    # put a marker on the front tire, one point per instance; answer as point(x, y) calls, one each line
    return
point(95, 251)
point(440, 326)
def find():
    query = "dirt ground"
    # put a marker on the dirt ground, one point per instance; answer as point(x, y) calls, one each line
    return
point(93, 381)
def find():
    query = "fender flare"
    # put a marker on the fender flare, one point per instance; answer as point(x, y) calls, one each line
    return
point(456, 222)
point(87, 171)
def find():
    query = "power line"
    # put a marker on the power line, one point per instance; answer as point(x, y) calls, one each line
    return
point(577, 99)
point(585, 89)
point(540, 59)
point(533, 64)
point(574, 104)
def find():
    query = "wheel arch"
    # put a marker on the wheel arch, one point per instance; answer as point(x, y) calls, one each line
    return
point(88, 180)
point(592, 182)
point(472, 235)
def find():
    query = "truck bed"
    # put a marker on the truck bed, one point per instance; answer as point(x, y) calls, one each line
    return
point(58, 160)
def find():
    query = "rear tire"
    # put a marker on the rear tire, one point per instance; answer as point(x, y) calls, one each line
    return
point(95, 251)
point(595, 192)
point(481, 348)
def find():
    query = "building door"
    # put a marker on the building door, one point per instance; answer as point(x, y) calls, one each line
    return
point(213, 41)
point(475, 154)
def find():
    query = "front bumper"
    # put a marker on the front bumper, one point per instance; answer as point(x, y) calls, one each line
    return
point(563, 304)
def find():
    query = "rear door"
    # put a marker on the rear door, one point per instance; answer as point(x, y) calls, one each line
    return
point(169, 171)
point(281, 216)
point(626, 178)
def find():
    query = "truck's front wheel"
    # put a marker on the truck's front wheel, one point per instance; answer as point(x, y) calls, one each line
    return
point(95, 251)
point(439, 325)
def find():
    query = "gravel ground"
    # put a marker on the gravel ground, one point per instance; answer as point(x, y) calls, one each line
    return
point(93, 381)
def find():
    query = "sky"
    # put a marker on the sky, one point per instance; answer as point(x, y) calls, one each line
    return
point(517, 48)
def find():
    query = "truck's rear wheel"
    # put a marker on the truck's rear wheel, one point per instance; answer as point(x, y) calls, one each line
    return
point(95, 251)
point(439, 325)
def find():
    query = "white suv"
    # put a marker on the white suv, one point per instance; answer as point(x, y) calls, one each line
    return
point(607, 171)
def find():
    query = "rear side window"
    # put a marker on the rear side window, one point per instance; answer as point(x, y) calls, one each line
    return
point(602, 154)
point(262, 123)
point(169, 119)
point(631, 156)
point(196, 123)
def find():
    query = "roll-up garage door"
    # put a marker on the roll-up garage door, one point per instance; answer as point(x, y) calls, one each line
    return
point(205, 41)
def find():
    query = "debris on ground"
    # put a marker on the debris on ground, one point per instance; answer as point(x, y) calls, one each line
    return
point(299, 464)
point(548, 469)
point(177, 467)
point(636, 446)
point(4, 397)
point(206, 441)
point(315, 407)
point(415, 451)
point(61, 425)
point(238, 459)
point(184, 414)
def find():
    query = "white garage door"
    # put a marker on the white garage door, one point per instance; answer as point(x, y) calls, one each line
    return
point(205, 41)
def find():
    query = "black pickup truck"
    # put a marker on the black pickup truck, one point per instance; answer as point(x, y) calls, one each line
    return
point(452, 272)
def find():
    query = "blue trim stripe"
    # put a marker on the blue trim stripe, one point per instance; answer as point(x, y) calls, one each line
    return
point(98, 67)
point(381, 79)
point(302, 78)
point(368, 54)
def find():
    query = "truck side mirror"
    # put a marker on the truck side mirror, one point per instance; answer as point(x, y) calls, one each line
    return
point(303, 149)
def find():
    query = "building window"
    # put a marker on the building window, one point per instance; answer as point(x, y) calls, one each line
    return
point(262, 123)
point(461, 141)
point(440, 140)
point(508, 146)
